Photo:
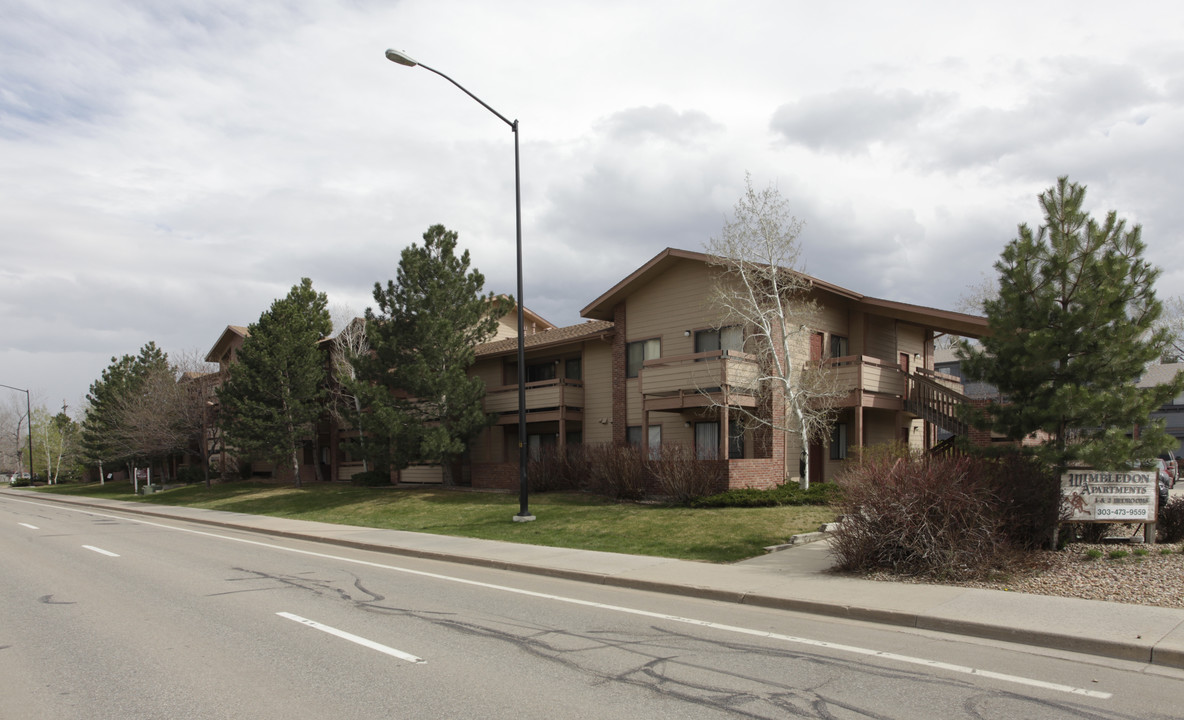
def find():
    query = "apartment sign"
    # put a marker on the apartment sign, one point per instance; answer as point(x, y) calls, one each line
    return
point(1109, 496)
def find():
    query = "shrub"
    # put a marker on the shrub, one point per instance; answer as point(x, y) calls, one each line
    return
point(682, 477)
point(943, 517)
point(785, 494)
point(1117, 554)
point(1093, 554)
point(619, 472)
point(1170, 521)
point(20, 482)
point(371, 478)
point(190, 475)
point(557, 468)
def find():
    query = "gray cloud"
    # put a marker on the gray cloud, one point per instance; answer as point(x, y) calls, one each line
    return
point(849, 120)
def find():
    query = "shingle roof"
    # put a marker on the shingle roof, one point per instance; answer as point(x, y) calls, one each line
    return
point(571, 333)
point(1160, 374)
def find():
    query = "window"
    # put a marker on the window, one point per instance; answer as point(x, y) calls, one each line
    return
point(633, 435)
point(571, 369)
point(655, 441)
point(839, 346)
point(725, 338)
point(735, 440)
point(541, 371)
point(536, 443)
point(838, 442)
point(707, 440)
point(638, 352)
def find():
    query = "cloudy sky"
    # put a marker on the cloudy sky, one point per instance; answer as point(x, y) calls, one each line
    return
point(168, 168)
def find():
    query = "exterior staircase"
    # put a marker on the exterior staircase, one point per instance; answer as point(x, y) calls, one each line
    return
point(936, 402)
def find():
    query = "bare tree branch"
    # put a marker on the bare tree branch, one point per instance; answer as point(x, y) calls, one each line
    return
point(760, 287)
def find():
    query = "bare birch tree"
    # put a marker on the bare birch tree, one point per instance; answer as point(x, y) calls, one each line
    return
point(345, 406)
point(759, 286)
point(1173, 321)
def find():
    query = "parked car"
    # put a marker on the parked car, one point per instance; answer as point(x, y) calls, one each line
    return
point(1173, 464)
point(1165, 481)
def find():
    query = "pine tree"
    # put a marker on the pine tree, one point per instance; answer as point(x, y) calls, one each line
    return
point(1071, 330)
point(273, 395)
point(103, 428)
point(423, 404)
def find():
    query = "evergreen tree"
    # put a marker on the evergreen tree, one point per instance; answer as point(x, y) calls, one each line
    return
point(102, 429)
point(273, 395)
point(423, 404)
point(1072, 329)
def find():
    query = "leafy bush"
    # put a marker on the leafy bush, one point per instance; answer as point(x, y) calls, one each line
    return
point(943, 517)
point(20, 482)
point(1170, 521)
point(618, 472)
point(679, 475)
point(371, 478)
point(190, 475)
point(785, 494)
point(1093, 554)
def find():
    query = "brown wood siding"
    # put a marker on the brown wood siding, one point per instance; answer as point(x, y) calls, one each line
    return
point(598, 396)
point(880, 338)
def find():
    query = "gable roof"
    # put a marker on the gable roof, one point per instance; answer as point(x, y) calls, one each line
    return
point(231, 334)
point(547, 338)
point(944, 320)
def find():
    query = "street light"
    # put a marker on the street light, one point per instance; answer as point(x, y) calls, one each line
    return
point(29, 410)
point(523, 515)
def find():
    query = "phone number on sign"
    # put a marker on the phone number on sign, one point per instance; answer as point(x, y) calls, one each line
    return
point(1121, 512)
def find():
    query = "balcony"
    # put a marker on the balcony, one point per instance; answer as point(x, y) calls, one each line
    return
point(542, 396)
point(871, 382)
point(697, 379)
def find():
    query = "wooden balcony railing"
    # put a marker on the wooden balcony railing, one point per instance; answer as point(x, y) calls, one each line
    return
point(869, 375)
point(700, 372)
point(540, 395)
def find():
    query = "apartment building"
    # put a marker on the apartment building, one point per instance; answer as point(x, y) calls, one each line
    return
point(652, 365)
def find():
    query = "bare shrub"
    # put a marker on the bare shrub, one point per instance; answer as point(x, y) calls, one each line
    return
point(937, 517)
point(1170, 521)
point(618, 472)
point(680, 476)
point(558, 469)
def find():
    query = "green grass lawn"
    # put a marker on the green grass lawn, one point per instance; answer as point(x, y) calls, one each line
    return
point(573, 520)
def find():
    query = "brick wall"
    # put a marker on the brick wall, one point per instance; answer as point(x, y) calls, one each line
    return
point(495, 476)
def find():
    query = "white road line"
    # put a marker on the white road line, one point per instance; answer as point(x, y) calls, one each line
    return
point(962, 669)
point(100, 551)
point(354, 638)
point(31, 527)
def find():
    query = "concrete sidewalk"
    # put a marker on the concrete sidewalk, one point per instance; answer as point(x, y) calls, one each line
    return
point(794, 579)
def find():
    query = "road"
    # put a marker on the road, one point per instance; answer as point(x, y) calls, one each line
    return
point(108, 615)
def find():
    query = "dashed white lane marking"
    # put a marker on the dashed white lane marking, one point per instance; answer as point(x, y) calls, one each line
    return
point(906, 659)
point(100, 551)
point(353, 638)
point(31, 527)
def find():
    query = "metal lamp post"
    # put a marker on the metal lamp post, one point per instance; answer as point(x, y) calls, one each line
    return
point(29, 410)
point(523, 515)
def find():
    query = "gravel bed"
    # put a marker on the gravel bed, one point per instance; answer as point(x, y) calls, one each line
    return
point(1153, 578)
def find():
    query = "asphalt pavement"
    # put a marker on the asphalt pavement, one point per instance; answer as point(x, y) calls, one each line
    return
point(797, 578)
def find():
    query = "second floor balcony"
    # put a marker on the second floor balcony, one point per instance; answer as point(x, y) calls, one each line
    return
point(558, 394)
point(691, 379)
